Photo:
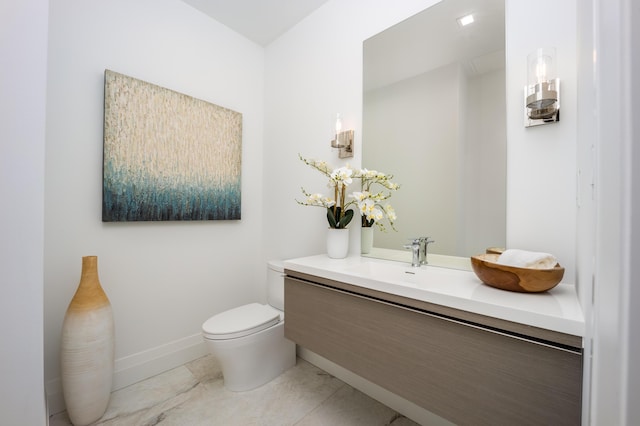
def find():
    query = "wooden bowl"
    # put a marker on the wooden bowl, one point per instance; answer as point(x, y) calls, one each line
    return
point(524, 280)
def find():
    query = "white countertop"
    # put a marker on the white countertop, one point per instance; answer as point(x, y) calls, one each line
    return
point(557, 309)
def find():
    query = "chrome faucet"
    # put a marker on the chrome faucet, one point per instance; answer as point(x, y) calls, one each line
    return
point(415, 251)
point(419, 248)
point(424, 245)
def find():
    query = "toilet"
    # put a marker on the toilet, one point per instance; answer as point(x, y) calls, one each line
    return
point(249, 341)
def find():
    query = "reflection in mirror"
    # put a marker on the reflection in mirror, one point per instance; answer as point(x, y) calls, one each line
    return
point(434, 116)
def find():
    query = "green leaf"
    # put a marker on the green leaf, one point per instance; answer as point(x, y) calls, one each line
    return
point(367, 223)
point(345, 219)
point(331, 218)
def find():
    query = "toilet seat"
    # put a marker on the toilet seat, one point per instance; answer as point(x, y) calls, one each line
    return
point(240, 321)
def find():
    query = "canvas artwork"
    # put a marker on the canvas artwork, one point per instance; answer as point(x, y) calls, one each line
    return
point(168, 156)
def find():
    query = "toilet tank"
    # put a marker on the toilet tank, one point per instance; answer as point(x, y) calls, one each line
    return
point(275, 284)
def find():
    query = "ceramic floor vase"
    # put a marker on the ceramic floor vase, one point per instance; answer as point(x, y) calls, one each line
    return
point(366, 239)
point(87, 351)
point(337, 243)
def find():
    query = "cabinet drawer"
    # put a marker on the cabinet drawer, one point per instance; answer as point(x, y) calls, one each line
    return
point(465, 373)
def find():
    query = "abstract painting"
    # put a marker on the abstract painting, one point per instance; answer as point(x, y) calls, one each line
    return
point(168, 156)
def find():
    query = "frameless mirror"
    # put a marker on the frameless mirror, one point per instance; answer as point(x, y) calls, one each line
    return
point(434, 106)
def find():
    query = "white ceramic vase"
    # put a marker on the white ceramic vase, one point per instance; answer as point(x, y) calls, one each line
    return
point(87, 352)
point(337, 243)
point(366, 239)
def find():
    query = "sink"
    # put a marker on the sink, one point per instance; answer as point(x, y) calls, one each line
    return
point(400, 273)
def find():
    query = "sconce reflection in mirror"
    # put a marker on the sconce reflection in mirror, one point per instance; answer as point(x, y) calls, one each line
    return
point(542, 92)
point(343, 140)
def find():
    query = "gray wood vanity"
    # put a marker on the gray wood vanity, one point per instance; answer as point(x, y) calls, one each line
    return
point(466, 367)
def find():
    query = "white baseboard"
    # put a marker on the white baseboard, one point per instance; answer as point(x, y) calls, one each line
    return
point(391, 400)
point(139, 366)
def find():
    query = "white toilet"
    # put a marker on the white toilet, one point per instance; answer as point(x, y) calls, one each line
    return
point(249, 340)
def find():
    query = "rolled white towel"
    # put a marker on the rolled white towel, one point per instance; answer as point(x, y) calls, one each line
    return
point(527, 259)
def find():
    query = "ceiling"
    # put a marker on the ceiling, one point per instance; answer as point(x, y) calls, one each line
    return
point(261, 21)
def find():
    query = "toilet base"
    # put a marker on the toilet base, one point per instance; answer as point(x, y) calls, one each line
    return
point(251, 361)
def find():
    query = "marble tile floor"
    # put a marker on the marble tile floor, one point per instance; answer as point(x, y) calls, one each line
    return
point(193, 395)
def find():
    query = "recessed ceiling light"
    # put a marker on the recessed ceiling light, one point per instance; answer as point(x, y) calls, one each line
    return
point(465, 20)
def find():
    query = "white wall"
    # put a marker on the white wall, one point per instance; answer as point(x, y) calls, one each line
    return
point(611, 94)
point(541, 161)
point(632, 331)
point(163, 279)
point(586, 210)
point(23, 49)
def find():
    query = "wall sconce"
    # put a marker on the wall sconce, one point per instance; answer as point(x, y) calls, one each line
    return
point(343, 140)
point(542, 92)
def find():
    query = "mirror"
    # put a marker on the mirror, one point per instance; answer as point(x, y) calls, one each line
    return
point(434, 116)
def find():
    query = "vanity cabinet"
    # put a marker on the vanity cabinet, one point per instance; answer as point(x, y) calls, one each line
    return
point(467, 368)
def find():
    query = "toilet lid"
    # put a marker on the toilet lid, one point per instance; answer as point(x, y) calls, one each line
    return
point(240, 321)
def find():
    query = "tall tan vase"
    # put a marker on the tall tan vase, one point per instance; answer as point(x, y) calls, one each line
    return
point(87, 352)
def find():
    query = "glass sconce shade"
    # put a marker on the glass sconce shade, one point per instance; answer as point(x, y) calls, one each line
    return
point(343, 140)
point(542, 89)
point(541, 66)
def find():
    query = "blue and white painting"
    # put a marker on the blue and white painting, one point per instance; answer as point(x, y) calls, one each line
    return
point(168, 156)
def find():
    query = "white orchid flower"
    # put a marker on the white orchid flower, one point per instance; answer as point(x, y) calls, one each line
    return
point(342, 175)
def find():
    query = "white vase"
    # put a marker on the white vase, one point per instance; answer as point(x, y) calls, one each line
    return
point(366, 239)
point(337, 243)
point(87, 352)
